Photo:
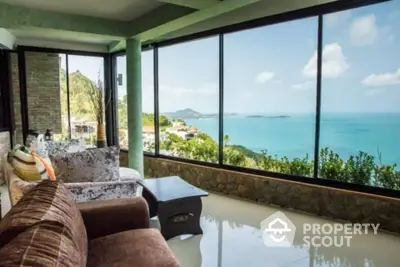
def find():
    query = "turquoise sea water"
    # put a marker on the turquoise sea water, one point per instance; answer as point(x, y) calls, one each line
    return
point(346, 134)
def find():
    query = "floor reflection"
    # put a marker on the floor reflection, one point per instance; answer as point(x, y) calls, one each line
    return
point(232, 237)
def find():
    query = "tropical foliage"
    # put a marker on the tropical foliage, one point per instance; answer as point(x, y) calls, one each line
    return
point(359, 169)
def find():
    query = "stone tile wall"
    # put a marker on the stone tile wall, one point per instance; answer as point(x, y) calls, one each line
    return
point(4, 147)
point(326, 202)
point(43, 90)
point(16, 96)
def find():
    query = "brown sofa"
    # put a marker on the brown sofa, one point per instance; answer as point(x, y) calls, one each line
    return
point(46, 228)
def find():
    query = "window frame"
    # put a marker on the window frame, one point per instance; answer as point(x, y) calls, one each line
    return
point(316, 11)
point(110, 128)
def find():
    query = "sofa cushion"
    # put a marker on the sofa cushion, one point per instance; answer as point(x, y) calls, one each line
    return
point(89, 191)
point(45, 244)
point(49, 201)
point(63, 147)
point(93, 165)
point(128, 174)
point(26, 165)
point(141, 247)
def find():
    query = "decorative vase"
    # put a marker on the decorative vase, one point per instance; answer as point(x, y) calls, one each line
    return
point(101, 136)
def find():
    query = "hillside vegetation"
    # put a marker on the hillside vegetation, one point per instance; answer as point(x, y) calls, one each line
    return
point(359, 169)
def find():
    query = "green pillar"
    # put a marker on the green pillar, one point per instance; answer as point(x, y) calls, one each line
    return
point(134, 94)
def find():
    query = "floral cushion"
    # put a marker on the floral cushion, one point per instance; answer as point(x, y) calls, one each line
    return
point(84, 192)
point(63, 147)
point(44, 148)
point(93, 165)
point(37, 145)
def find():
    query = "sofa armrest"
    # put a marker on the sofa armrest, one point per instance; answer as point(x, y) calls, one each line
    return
point(105, 217)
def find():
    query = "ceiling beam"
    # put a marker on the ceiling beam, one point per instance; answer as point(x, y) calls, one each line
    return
point(17, 17)
point(196, 4)
point(217, 9)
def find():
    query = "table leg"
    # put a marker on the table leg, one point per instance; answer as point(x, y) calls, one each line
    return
point(181, 216)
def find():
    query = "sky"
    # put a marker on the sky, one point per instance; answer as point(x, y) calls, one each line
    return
point(272, 69)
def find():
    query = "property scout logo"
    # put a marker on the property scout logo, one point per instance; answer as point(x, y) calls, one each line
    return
point(279, 231)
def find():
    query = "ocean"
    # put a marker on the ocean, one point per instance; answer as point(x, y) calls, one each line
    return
point(293, 136)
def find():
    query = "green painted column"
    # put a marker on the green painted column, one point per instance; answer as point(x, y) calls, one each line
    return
point(134, 95)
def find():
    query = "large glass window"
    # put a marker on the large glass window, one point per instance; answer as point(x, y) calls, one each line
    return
point(188, 99)
point(147, 101)
point(86, 81)
point(269, 97)
point(360, 119)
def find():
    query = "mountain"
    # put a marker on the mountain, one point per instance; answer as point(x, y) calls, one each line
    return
point(188, 113)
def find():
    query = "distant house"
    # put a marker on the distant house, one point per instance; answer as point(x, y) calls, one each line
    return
point(178, 124)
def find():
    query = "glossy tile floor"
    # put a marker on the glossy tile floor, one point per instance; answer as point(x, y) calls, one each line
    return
point(232, 237)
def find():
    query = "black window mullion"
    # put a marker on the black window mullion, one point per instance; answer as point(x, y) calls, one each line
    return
point(109, 100)
point(318, 97)
point(23, 94)
point(68, 100)
point(221, 101)
point(156, 103)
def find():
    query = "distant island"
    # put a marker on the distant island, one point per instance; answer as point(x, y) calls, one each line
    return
point(189, 113)
point(269, 117)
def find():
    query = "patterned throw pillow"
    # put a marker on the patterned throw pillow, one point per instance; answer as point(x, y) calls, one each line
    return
point(92, 165)
point(37, 144)
point(27, 166)
point(63, 147)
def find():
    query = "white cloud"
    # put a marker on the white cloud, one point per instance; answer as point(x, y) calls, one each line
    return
point(264, 77)
point(333, 62)
point(338, 18)
point(365, 31)
point(383, 79)
point(304, 86)
point(205, 89)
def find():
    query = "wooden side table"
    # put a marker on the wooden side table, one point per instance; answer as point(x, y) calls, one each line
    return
point(176, 203)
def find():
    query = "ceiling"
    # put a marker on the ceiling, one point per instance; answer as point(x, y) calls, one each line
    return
point(129, 11)
point(73, 37)
point(257, 10)
point(123, 10)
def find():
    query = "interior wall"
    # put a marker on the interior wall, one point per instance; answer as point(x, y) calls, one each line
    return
point(17, 102)
point(43, 91)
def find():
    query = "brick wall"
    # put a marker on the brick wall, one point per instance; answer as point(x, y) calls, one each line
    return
point(43, 86)
point(17, 102)
point(4, 147)
point(43, 90)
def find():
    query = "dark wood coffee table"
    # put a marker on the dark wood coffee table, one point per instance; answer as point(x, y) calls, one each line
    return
point(176, 203)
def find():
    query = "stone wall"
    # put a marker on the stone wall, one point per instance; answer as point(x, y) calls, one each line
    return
point(43, 90)
point(4, 147)
point(16, 96)
point(43, 87)
point(323, 201)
